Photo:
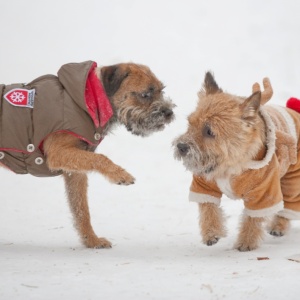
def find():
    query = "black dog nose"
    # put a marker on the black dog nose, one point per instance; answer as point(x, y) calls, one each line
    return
point(168, 113)
point(183, 148)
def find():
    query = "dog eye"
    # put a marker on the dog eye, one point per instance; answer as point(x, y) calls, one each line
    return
point(207, 132)
point(146, 95)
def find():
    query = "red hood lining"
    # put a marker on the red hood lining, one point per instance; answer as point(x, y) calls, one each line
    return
point(96, 99)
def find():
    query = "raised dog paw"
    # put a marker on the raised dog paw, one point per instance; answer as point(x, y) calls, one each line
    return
point(126, 179)
point(121, 177)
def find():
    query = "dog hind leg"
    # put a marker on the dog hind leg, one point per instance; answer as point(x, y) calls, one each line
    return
point(76, 188)
point(279, 226)
point(211, 223)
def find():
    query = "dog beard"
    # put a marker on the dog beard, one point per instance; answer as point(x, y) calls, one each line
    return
point(142, 123)
point(198, 162)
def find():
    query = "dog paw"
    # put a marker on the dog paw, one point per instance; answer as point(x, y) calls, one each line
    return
point(276, 233)
point(126, 181)
point(98, 243)
point(211, 241)
point(246, 247)
point(121, 177)
point(279, 227)
point(103, 243)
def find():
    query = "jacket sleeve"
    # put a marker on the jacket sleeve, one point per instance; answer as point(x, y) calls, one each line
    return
point(203, 191)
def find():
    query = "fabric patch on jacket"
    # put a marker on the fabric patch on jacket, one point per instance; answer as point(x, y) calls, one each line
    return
point(20, 97)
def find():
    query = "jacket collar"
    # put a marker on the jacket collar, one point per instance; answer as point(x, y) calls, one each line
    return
point(270, 143)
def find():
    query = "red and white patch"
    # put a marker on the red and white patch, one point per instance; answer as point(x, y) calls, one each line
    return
point(20, 97)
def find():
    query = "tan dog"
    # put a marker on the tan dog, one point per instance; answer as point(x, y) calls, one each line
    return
point(235, 146)
point(52, 126)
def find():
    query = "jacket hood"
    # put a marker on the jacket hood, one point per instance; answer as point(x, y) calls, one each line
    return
point(73, 77)
point(82, 84)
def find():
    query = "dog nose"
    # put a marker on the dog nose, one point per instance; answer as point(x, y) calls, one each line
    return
point(168, 113)
point(183, 148)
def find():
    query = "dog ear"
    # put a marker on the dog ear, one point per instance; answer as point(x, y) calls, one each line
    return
point(251, 106)
point(112, 77)
point(210, 85)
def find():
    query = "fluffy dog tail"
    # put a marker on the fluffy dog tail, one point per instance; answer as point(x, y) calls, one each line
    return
point(293, 103)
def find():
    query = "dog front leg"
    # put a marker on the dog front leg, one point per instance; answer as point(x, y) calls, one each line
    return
point(211, 223)
point(64, 153)
point(76, 187)
point(76, 160)
point(251, 233)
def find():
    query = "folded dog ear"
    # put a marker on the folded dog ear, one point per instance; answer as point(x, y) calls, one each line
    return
point(112, 77)
point(250, 106)
point(210, 86)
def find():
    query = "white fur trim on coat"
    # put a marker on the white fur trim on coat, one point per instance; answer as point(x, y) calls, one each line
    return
point(288, 119)
point(225, 187)
point(203, 198)
point(271, 138)
point(265, 212)
point(289, 214)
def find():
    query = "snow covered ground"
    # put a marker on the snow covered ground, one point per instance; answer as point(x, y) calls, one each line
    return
point(157, 251)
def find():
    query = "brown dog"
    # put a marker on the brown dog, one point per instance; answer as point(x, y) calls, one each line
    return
point(237, 147)
point(52, 126)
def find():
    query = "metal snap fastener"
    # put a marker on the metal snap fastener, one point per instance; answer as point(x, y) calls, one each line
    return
point(2, 155)
point(97, 136)
point(38, 160)
point(30, 148)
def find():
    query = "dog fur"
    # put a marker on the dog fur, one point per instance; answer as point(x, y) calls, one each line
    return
point(228, 148)
point(138, 103)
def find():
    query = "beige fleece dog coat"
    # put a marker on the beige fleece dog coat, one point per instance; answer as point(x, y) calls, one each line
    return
point(271, 183)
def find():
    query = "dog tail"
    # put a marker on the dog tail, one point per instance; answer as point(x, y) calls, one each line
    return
point(294, 104)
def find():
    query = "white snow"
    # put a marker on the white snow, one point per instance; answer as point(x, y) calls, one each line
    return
point(157, 251)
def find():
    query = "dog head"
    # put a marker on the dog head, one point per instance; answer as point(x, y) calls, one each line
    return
point(137, 98)
point(223, 134)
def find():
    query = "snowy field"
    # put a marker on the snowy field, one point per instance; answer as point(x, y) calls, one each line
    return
point(157, 251)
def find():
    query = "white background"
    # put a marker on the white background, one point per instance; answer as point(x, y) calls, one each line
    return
point(157, 251)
